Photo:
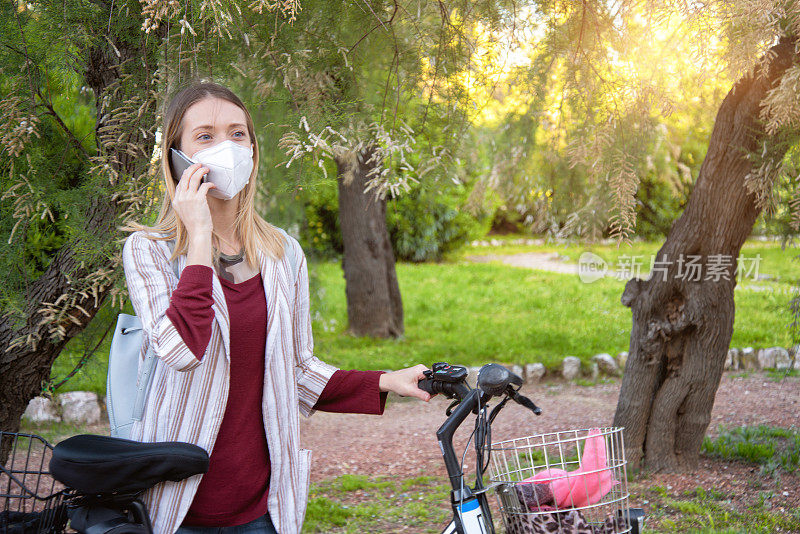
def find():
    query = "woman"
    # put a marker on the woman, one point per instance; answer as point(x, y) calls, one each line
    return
point(232, 333)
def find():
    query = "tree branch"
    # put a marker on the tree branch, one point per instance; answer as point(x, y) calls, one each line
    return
point(52, 112)
point(396, 7)
point(37, 91)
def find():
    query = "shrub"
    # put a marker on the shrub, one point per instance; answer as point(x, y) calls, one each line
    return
point(423, 224)
point(427, 223)
point(320, 235)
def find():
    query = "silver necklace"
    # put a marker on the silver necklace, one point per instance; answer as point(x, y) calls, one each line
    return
point(233, 259)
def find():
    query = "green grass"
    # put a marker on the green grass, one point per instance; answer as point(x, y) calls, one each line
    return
point(773, 448)
point(92, 375)
point(778, 375)
point(709, 511)
point(476, 313)
point(355, 504)
point(774, 262)
point(471, 314)
point(53, 432)
point(570, 250)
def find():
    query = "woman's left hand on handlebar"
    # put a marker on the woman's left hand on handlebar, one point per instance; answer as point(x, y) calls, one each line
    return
point(404, 382)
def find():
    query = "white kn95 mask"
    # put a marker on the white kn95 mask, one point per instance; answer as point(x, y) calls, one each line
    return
point(229, 165)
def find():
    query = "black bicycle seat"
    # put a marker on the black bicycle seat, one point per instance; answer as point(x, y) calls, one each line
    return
point(101, 464)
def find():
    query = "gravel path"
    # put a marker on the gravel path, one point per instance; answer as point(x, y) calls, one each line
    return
point(401, 443)
point(542, 261)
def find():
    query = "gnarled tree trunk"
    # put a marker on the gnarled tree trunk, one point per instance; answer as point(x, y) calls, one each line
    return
point(682, 327)
point(374, 306)
point(25, 368)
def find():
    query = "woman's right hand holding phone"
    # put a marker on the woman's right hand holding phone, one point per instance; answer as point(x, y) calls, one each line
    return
point(191, 206)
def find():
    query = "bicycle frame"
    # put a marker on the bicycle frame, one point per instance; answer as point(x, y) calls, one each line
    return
point(471, 514)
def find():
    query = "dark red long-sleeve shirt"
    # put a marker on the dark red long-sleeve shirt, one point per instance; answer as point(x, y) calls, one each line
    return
point(234, 490)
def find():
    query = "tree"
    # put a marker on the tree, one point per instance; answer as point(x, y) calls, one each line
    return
point(80, 88)
point(682, 327)
point(610, 88)
point(374, 304)
point(99, 45)
point(382, 83)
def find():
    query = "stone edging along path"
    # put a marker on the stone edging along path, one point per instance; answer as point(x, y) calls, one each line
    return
point(746, 359)
point(86, 407)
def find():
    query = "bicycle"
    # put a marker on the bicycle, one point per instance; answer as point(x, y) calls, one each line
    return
point(524, 504)
point(29, 500)
point(103, 477)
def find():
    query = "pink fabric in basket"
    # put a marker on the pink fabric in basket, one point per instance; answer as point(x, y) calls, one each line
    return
point(585, 485)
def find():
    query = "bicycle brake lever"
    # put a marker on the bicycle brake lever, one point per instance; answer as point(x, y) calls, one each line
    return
point(524, 401)
point(453, 404)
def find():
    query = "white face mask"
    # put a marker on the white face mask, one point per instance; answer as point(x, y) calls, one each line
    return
point(229, 165)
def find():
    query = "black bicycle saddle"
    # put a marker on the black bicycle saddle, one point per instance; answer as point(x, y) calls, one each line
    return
point(101, 464)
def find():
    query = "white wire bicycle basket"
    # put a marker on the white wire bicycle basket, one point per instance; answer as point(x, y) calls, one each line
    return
point(570, 482)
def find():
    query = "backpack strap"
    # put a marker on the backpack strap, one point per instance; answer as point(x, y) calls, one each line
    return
point(171, 246)
point(290, 252)
point(150, 359)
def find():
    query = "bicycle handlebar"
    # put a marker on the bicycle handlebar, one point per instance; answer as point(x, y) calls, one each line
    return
point(524, 401)
point(493, 380)
point(451, 390)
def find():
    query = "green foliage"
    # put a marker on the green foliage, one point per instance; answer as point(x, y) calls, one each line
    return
point(77, 130)
point(783, 214)
point(352, 84)
point(423, 225)
point(428, 222)
point(321, 235)
point(607, 143)
point(772, 448)
point(86, 354)
point(660, 201)
point(44, 239)
point(48, 205)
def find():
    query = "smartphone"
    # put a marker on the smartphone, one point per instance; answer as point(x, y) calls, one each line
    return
point(179, 162)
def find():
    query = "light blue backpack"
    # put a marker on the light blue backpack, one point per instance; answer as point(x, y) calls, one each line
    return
point(125, 398)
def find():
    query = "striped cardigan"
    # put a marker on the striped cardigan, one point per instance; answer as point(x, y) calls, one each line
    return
point(187, 396)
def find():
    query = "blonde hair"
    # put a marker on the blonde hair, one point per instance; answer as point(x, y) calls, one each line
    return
point(252, 231)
